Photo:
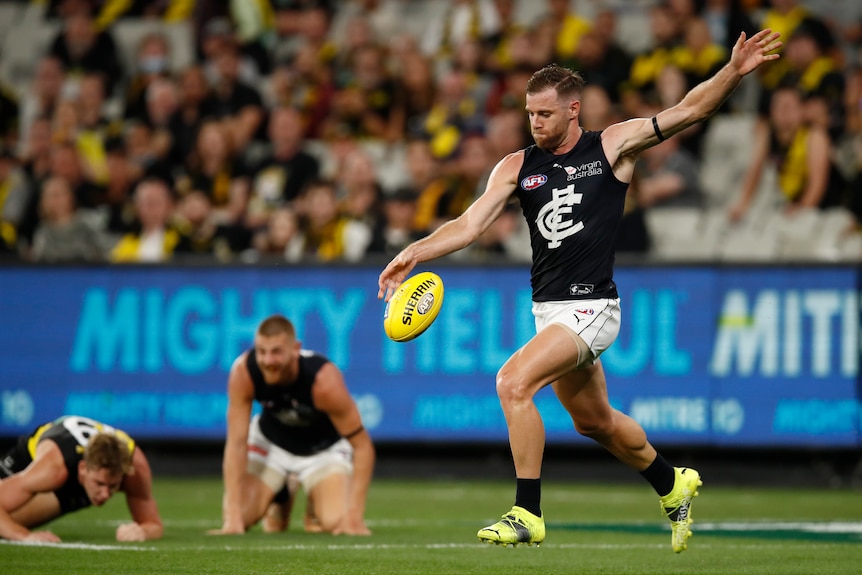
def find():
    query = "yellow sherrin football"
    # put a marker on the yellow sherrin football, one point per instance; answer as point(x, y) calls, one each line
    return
point(413, 307)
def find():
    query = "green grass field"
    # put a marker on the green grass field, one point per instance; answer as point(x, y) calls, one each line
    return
point(428, 527)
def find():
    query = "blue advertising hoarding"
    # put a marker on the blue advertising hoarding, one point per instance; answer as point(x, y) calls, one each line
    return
point(706, 355)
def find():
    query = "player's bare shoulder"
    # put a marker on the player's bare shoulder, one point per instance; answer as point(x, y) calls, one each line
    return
point(504, 177)
point(239, 375)
point(48, 451)
point(240, 363)
point(48, 470)
point(509, 167)
point(329, 390)
point(328, 376)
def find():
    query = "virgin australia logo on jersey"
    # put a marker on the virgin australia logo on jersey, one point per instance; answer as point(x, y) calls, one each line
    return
point(534, 181)
point(583, 171)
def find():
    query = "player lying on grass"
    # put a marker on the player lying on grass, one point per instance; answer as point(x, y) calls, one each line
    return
point(69, 464)
point(309, 429)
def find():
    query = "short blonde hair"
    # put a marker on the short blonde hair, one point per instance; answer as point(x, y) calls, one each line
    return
point(107, 451)
point(276, 325)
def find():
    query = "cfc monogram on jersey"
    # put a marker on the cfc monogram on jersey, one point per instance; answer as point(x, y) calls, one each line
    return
point(555, 218)
point(573, 205)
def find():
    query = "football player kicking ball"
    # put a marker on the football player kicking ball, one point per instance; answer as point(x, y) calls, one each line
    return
point(309, 432)
point(67, 465)
point(571, 186)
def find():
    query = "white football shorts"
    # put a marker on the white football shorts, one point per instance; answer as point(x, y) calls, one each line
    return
point(596, 321)
point(275, 465)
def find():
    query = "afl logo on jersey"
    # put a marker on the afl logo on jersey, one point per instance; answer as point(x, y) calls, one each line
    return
point(534, 181)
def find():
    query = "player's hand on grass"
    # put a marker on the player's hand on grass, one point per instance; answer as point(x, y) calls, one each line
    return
point(131, 532)
point(228, 528)
point(41, 537)
point(352, 527)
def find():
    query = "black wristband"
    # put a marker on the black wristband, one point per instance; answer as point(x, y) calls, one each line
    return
point(658, 133)
point(355, 432)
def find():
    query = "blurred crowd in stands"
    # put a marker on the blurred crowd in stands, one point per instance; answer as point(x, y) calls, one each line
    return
point(314, 131)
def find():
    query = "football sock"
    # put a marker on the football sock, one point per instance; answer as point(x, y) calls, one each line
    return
point(660, 475)
point(529, 494)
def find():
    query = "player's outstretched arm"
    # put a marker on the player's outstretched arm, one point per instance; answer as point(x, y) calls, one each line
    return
point(240, 400)
point(146, 522)
point(633, 136)
point(332, 397)
point(458, 233)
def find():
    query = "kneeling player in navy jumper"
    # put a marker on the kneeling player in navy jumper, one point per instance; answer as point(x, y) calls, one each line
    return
point(309, 433)
point(571, 186)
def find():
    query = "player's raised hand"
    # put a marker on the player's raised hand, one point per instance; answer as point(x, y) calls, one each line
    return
point(750, 53)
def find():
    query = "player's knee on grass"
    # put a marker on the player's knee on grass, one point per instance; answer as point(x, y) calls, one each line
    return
point(328, 496)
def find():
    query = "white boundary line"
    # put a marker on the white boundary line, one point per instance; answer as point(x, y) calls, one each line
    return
point(85, 546)
point(829, 527)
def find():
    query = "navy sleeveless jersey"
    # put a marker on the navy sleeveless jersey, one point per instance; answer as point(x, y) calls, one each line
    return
point(289, 418)
point(573, 205)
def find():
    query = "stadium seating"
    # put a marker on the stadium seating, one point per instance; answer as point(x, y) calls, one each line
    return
point(676, 233)
point(23, 45)
point(725, 157)
point(9, 16)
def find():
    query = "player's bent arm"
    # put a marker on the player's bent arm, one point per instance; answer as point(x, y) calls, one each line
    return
point(240, 399)
point(46, 473)
point(460, 232)
point(330, 395)
point(633, 136)
point(138, 487)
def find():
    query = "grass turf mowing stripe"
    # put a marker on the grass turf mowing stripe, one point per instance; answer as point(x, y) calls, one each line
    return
point(382, 546)
point(836, 532)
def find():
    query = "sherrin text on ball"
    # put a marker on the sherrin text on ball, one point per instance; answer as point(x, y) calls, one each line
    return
point(413, 307)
